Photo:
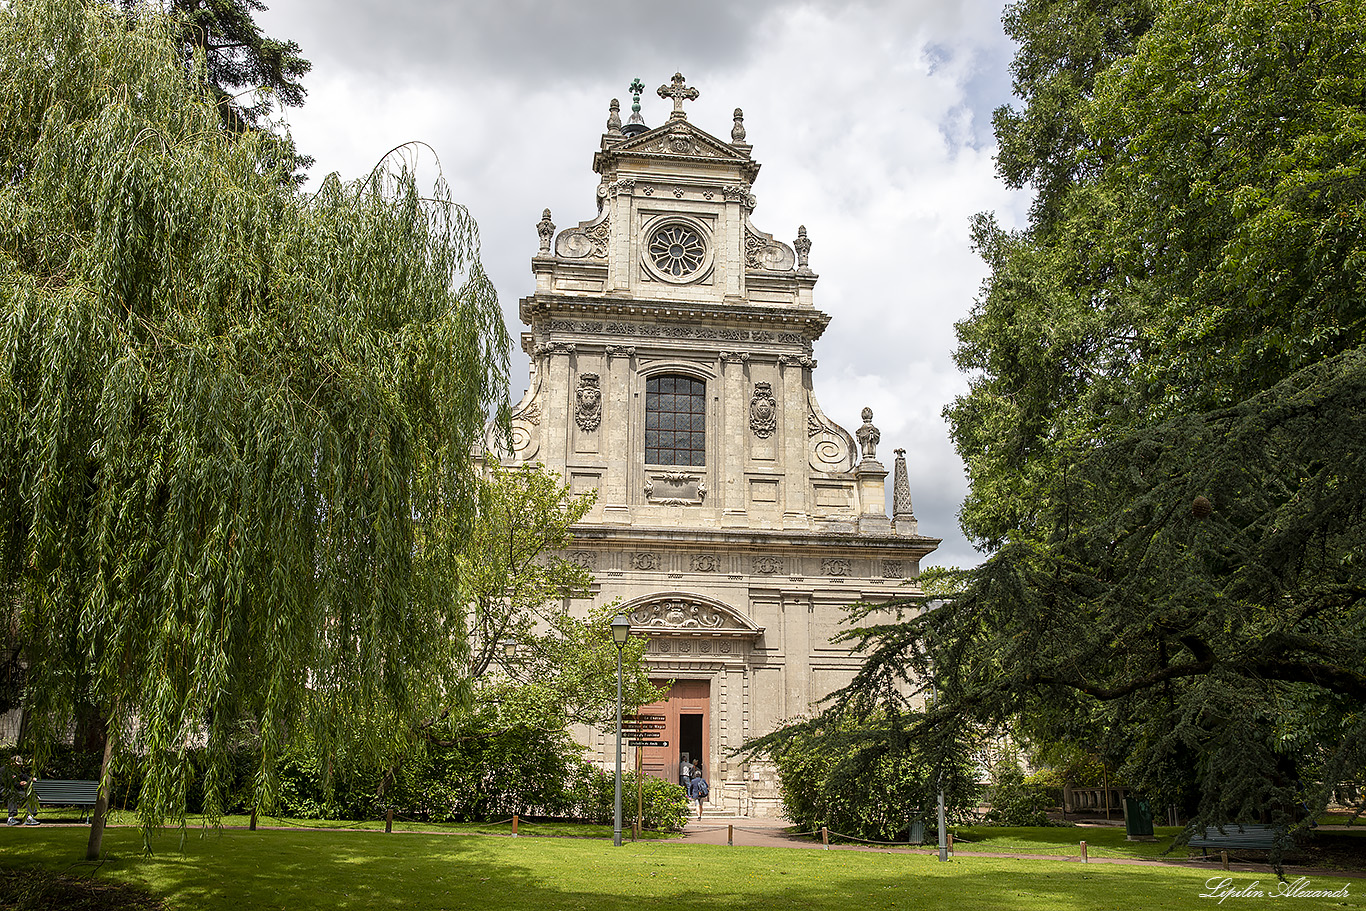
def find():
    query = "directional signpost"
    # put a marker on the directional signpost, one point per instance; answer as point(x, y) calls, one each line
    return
point(638, 728)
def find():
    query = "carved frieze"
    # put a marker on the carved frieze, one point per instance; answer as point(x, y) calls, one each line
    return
point(763, 411)
point(891, 569)
point(585, 558)
point(705, 563)
point(645, 561)
point(588, 403)
point(796, 360)
point(834, 566)
point(531, 414)
point(768, 565)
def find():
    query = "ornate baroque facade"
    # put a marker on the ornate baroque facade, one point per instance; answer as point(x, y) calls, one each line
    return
point(671, 372)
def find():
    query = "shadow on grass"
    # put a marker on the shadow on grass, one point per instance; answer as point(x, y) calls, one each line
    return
point(234, 870)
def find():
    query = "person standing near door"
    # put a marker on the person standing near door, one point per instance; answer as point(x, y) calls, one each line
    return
point(684, 770)
point(698, 790)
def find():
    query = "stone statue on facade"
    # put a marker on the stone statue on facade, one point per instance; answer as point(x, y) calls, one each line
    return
point(868, 437)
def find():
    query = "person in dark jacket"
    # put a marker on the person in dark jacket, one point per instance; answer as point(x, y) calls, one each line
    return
point(697, 790)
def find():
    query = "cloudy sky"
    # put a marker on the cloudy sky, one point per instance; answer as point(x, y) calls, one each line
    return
point(872, 121)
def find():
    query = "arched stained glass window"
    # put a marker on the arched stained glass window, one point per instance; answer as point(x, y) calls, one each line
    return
point(675, 421)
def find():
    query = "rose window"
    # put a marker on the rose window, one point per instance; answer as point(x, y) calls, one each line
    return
point(677, 250)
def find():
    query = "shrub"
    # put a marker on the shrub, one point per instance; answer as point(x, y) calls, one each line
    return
point(1017, 800)
point(865, 780)
point(665, 803)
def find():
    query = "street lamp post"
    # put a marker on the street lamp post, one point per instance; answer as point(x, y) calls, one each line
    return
point(621, 630)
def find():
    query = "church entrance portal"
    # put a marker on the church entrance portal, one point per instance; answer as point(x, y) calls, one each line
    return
point(685, 712)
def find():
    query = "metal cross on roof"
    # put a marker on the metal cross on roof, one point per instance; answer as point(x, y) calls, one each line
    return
point(678, 91)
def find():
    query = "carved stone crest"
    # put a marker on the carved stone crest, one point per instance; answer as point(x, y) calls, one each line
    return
point(677, 614)
point(588, 404)
point(763, 411)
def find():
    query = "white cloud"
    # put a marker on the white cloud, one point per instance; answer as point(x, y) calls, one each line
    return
point(871, 121)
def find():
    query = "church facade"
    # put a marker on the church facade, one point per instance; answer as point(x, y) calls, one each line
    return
point(671, 350)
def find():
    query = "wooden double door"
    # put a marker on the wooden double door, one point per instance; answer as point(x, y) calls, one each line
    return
point(686, 728)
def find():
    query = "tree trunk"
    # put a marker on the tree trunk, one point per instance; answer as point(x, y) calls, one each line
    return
point(101, 811)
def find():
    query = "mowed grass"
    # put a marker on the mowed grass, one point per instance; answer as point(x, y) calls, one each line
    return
point(233, 870)
point(549, 829)
point(1065, 841)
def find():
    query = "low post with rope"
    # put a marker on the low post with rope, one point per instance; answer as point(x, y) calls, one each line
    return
point(1083, 854)
point(825, 838)
point(730, 835)
point(389, 821)
point(514, 825)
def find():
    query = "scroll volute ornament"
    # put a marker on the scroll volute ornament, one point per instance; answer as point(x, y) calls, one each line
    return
point(763, 411)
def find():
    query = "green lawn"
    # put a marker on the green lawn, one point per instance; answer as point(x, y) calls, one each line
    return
point(1064, 841)
point(298, 870)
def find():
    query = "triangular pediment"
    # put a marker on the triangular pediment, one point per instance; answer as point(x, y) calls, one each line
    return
point(678, 138)
point(687, 614)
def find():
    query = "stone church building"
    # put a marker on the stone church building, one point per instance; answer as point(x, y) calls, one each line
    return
point(671, 372)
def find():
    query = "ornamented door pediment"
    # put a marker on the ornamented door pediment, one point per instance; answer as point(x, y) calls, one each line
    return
point(687, 614)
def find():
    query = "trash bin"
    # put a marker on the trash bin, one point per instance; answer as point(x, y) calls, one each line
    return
point(917, 832)
point(1138, 820)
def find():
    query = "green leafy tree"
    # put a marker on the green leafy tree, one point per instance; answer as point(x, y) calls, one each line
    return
point(516, 585)
point(1163, 426)
point(248, 74)
point(1164, 421)
point(235, 421)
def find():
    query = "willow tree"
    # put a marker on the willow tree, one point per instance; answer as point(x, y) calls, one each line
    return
point(235, 421)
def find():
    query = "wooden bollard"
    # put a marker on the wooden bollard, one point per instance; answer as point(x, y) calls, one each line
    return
point(825, 838)
point(949, 836)
point(389, 821)
point(1083, 854)
point(730, 835)
point(1223, 856)
point(514, 825)
point(252, 827)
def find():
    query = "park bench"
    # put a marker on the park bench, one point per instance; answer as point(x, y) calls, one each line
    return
point(65, 792)
point(1249, 836)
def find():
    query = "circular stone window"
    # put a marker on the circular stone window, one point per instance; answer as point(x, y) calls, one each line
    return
point(677, 250)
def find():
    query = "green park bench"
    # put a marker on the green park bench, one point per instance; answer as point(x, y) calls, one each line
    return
point(64, 792)
point(1249, 836)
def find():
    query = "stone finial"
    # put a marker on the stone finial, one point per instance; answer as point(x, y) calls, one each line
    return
point(614, 118)
point(868, 437)
point(901, 490)
point(545, 228)
point(678, 91)
point(803, 247)
point(737, 132)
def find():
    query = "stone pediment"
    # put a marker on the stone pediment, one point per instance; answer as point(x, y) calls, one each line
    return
point(687, 614)
point(680, 139)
